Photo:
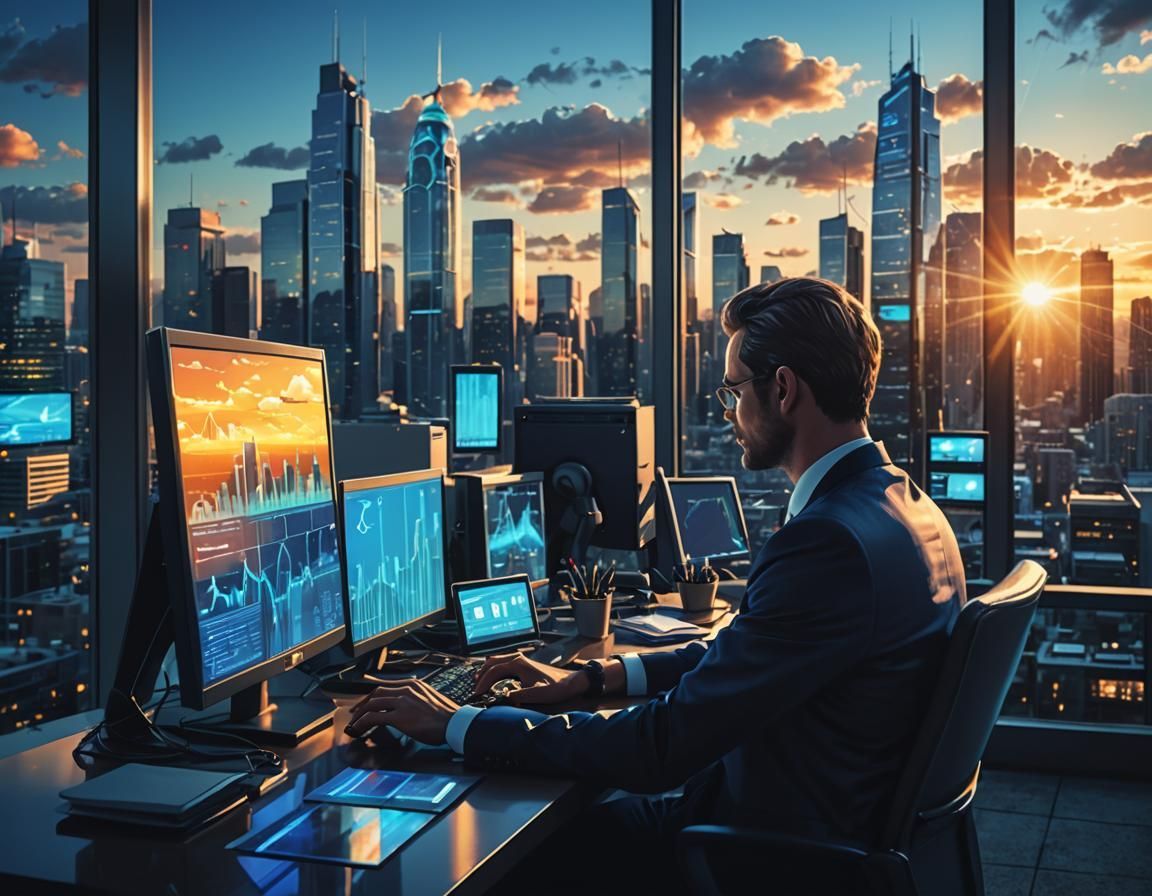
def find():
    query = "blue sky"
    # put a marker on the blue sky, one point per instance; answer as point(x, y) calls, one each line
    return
point(246, 74)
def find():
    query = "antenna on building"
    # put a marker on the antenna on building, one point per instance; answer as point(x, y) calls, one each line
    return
point(439, 60)
point(364, 59)
point(889, 48)
point(911, 43)
point(335, 35)
point(919, 47)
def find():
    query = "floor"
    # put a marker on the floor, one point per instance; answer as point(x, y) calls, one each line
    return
point(1048, 835)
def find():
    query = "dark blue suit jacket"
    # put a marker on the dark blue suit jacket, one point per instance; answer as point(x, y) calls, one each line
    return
point(799, 715)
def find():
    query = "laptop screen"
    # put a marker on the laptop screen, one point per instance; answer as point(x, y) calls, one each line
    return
point(496, 611)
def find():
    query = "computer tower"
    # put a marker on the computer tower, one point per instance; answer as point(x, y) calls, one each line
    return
point(370, 448)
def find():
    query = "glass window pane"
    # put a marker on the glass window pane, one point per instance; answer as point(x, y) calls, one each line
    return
point(45, 498)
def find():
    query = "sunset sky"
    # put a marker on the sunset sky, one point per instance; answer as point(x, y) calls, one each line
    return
point(779, 103)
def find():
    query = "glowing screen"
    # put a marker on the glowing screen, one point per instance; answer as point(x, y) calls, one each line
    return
point(34, 418)
point(515, 521)
point(709, 520)
point(476, 425)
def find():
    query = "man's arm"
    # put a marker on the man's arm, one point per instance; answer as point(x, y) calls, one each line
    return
point(808, 618)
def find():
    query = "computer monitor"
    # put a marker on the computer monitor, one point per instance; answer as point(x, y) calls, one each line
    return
point(495, 614)
point(477, 407)
point(501, 522)
point(394, 548)
point(35, 418)
point(248, 512)
point(709, 519)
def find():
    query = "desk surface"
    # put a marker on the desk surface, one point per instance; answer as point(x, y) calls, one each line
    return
point(466, 850)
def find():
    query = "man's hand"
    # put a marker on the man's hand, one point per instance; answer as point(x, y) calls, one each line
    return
point(409, 705)
point(541, 683)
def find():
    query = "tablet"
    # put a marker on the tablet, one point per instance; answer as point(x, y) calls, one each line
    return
point(494, 614)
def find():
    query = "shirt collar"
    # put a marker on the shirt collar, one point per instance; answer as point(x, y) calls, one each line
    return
point(811, 477)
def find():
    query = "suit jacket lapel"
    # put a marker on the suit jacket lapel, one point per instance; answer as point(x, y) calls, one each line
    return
point(863, 458)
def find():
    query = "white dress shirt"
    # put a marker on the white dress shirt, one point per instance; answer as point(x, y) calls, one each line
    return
point(810, 478)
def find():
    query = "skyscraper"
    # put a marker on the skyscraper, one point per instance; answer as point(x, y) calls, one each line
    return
point(283, 261)
point(234, 302)
point(344, 242)
point(620, 295)
point(729, 276)
point(770, 273)
point(388, 324)
point(431, 257)
point(842, 254)
point(905, 226)
point(1140, 346)
point(963, 320)
point(81, 310)
point(193, 254)
point(32, 331)
point(498, 301)
point(559, 308)
point(1096, 348)
point(691, 238)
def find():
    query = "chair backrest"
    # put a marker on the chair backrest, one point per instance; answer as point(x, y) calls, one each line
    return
point(983, 653)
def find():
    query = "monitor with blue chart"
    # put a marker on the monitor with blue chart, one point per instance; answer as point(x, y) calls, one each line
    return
point(394, 549)
point(35, 418)
point(495, 613)
point(514, 516)
point(476, 402)
point(248, 511)
point(709, 518)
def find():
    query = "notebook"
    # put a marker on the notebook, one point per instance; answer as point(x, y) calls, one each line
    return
point(153, 790)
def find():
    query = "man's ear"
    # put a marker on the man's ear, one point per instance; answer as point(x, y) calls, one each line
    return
point(787, 388)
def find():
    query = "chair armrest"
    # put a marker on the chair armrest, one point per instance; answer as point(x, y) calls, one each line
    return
point(772, 850)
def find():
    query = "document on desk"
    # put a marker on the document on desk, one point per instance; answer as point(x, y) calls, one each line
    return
point(340, 835)
point(655, 628)
point(384, 789)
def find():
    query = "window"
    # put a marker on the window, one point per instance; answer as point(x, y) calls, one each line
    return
point(812, 150)
point(45, 499)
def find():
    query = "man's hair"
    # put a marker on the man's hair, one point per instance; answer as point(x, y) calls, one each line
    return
point(816, 328)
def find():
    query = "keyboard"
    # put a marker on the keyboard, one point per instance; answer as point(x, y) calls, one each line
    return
point(457, 683)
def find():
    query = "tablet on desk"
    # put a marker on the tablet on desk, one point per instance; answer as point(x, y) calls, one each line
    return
point(495, 614)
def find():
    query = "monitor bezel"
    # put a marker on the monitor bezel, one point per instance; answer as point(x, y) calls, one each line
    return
point(496, 370)
point(730, 481)
point(484, 647)
point(382, 639)
point(667, 507)
point(194, 693)
point(71, 420)
point(487, 483)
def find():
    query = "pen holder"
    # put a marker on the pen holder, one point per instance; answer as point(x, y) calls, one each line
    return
point(592, 615)
point(696, 597)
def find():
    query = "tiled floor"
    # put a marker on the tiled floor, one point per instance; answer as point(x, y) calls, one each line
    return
point(1047, 835)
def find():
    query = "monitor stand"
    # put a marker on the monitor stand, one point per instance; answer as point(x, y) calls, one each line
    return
point(280, 721)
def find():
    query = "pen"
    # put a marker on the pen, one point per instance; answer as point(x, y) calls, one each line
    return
point(579, 575)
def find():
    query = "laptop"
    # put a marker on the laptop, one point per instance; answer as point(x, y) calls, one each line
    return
point(495, 614)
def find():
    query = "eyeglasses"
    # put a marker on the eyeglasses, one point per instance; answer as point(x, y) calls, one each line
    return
point(728, 395)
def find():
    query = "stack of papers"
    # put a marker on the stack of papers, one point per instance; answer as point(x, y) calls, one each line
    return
point(656, 628)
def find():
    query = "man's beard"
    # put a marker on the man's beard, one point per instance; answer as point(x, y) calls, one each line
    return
point(770, 447)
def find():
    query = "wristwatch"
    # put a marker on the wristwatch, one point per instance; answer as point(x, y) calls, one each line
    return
point(594, 669)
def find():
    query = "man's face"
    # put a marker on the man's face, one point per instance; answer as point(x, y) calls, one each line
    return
point(760, 429)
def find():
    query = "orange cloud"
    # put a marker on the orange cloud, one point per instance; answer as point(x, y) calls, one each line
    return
point(17, 146)
point(957, 97)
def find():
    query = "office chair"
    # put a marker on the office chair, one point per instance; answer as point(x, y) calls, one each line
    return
point(928, 846)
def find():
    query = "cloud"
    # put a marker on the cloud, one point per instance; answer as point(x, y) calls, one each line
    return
point(765, 80)
point(392, 131)
point(813, 166)
point(299, 389)
point(17, 146)
point(68, 152)
point(391, 249)
point(539, 242)
point(458, 97)
point(723, 201)
point(48, 205)
point(192, 149)
point(70, 232)
point(858, 87)
point(1075, 59)
point(1129, 65)
point(58, 63)
point(546, 73)
point(563, 199)
point(270, 403)
point(786, 252)
point(590, 243)
point(1030, 242)
point(269, 155)
point(781, 219)
point(698, 180)
point(243, 242)
point(957, 97)
point(11, 38)
point(1145, 37)
point(571, 72)
point(1109, 19)
point(1041, 176)
point(504, 196)
point(1127, 160)
point(1124, 194)
point(561, 247)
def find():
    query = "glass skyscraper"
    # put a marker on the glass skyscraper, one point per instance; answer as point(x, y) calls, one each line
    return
point(283, 257)
point(1096, 342)
point(905, 227)
point(32, 328)
point(620, 294)
point(193, 255)
point(498, 300)
point(431, 259)
point(963, 320)
point(344, 242)
point(730, 275)
point(842, 254)
point(560, 311)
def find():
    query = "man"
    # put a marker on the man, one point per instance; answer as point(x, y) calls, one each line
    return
point(799, 715)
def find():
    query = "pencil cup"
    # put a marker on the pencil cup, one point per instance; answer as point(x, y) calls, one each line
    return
point(696, 597)
point(592, 615)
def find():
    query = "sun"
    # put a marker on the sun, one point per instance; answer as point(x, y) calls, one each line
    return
point(1036, 294)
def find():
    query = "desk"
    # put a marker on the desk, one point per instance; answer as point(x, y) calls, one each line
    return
point(464, 851)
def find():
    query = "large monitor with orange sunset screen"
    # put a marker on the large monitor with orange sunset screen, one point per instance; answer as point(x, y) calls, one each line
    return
point(249, 527)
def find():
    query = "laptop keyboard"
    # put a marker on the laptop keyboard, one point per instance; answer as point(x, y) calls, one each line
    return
point(457, 683)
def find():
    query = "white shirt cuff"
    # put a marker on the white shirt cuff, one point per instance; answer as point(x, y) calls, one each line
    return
point(635, 678)
point(458, 727)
